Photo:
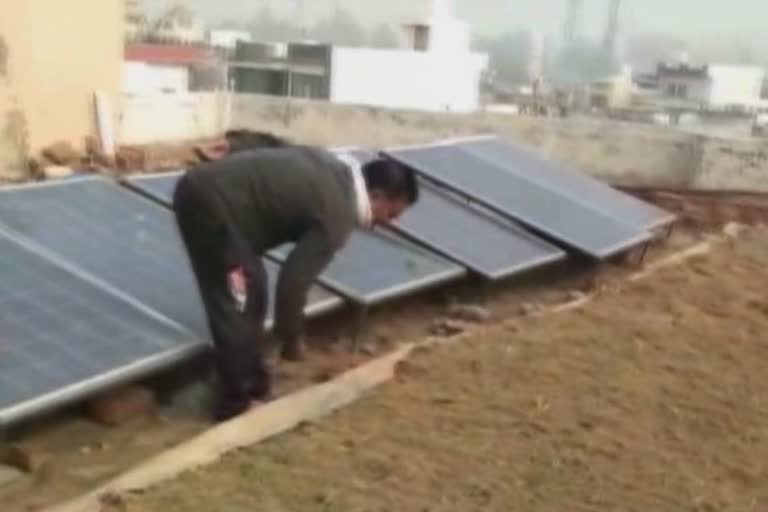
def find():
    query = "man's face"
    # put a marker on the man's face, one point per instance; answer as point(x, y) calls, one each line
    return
point(386, 209)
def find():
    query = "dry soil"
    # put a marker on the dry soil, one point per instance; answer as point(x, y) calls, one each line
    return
point(653, 397)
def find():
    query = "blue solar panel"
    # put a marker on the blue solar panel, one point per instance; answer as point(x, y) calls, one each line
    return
point(570, 182)
point(62, 337)
point(488, 245)
point(372, 267)
point(375, 266)
point(124, 240)
point(544, 210)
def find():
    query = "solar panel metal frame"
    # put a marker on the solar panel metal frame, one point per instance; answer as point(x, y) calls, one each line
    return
point(664, 219)
point(138, 183)
point(312, 310)
point(138, 369)
point(400, 228)
point(365, 299)
point(606, 252)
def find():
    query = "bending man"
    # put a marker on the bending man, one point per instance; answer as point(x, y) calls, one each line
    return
point(230, 212)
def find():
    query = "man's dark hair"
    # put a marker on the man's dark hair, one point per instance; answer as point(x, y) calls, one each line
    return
point(391, 178)
point(244, 140)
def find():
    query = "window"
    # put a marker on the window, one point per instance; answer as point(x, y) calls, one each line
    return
point(676, 90)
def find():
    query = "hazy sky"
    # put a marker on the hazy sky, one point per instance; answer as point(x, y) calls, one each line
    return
point(690, 19)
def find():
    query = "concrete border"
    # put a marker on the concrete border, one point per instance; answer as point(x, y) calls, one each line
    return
point(306, 405)
point(246, 430)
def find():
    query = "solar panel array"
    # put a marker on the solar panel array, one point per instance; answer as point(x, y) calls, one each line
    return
point(97, 288)
point(124, 240)
point(541, 208)
point(63, 337)
point(485, 243)
point(119, 237)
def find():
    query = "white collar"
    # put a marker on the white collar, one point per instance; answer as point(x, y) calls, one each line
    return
point(362, 200)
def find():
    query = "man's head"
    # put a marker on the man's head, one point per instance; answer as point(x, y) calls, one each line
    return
point(392, 188)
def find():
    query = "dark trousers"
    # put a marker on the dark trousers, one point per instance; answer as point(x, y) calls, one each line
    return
point(214, 250)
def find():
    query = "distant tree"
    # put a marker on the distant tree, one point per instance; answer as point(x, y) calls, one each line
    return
point(384, 37)
point(340, 28)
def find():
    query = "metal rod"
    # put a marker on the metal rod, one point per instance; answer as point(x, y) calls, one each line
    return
point(643, 252)
point(359, 327)
point(670, 229)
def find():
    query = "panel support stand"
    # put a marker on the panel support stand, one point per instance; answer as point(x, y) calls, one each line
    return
point(643, 252)
point(670, 229)
point(360, 326)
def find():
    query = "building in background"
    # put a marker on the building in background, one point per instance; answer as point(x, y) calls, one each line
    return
point(228, 39)
point(434, 71)
point(715, 87)
point(298, 70)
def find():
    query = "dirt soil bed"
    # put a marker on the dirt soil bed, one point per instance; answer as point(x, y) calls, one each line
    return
point(653, 397)
point(81, 455)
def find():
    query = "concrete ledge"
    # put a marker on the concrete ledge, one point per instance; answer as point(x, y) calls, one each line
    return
point(267, 421)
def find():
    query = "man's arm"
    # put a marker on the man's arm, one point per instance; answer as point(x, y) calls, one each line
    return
point(309, 257)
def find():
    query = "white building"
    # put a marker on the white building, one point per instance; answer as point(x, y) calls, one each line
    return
point(712, 86)
point(435, 71)
point(228, 39)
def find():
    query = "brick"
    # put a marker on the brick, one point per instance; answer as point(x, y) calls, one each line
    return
point(24, 458)
point(123, 405)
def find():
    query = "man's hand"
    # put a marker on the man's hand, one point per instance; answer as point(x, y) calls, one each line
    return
point(238, 287)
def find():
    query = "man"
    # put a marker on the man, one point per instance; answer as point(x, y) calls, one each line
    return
point(233, 210)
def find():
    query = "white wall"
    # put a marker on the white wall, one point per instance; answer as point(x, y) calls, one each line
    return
point(735, 85)
point(149, 118)
point(143, 78)
point(228, 38)
point(406, 79)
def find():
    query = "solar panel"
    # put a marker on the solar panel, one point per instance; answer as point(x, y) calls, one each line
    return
point(570, 182)
point(62, 337)
point(489, 245)
point(539, 208)
point(373, 267)
point(157, 186)
point(122, 239)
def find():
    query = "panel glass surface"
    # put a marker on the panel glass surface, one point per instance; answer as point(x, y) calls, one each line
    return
point(122, 239)
point(568, 181)
point(544, 210)
point(60, 333)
